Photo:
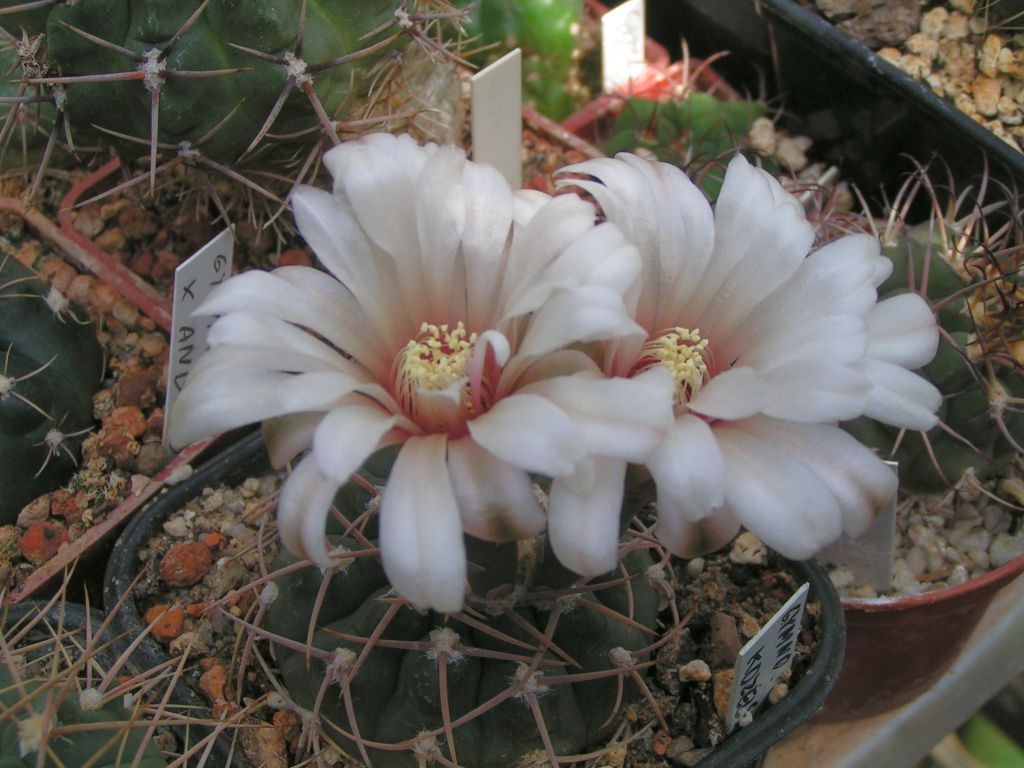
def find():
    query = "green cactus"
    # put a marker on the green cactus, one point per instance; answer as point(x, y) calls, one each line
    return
point(50, 366)
point(531, 665)
point(969, 270)
point(547, 32)
point(101, 737)
point(213, 84)
point(691, 132)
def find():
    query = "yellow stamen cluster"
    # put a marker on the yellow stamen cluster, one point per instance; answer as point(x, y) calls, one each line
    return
point(683, 352)
point(437, 357)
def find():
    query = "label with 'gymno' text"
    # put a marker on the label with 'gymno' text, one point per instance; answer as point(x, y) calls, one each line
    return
point(193, 280)
point(764, 659)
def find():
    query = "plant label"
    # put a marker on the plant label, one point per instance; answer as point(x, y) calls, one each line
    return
point(869, 557)
point(496, 116)
point(622, 45)
point(193, 280)
point(764, 659)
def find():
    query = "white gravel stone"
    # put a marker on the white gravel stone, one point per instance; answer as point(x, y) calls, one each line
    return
point(1005, 548)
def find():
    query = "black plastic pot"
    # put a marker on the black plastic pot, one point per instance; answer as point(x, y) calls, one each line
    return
point(863, 114)
point(744, 747)
point(247, 455)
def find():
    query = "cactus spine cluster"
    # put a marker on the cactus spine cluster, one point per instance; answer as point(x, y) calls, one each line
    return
point(50, 366)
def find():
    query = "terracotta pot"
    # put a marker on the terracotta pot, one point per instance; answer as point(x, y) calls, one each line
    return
point(898, 648)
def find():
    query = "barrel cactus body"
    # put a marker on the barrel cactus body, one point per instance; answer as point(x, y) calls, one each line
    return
point(528, 665)
point(51, 366)
point(975, 370)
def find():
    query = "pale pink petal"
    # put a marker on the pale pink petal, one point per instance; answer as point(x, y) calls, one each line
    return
point(530, 432)
point(599, 257)
point(302, 511)
point(522, 371)
point(689, 473)
point(376, 177)
point(347, 435)
point(228, 358)
point(901, 398)
point(690, 540)
point(552, 228)
point(289, 435)
point(420, 532)
point(902, 330)
point(733, 394)
point(838, 339)
point(777, 498)
point(440, 220)
point(590, 313)
point(269, 293)
point(496, 500)
point(273, 335)
point(583, 517)
point(811, 390)
point(761, 238)
point(860, 481)
point(225, 399)
point(666, 216)
point(526, 203)
point(327, 223)
point(620, 418)
point(489, 206)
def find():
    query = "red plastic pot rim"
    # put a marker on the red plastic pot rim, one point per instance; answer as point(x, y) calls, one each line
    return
point(1004, 574)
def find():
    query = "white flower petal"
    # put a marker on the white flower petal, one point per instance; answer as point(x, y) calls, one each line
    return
point(488, 202)
point(302, 510)
point(273, 335)
point(733, 394)
point(689, 472)
point(598, 257)
point(689, 540)
point(420, 533)
point(346, 436)
point(328, 224)
point(902, 330)
point(666, 216)
point(861, 482)
point(620, 418)
point(819, 390)
point(496, 500)
point(289, 435)
point(530, 432)
point(440, 220)
point(778, 499)
point(272, 294)
point(583, 517)
point(224, 399)
point(590, 313)
point(761, 238)
point(901, 398)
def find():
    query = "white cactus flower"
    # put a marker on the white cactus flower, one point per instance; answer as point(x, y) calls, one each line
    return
point(449, 321)
point(770, 348)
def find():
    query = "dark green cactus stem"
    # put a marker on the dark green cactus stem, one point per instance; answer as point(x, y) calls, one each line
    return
point(691, 132)
point(973, 393)
point(106, 741)
point(50, 366)
point(528, 666)
point(547, 32)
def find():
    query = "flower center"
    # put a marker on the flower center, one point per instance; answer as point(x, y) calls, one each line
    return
point(430, 364)
point(684, 353)
point(436, 358)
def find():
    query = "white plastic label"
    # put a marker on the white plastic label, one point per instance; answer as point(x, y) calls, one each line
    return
point(764, 659)
point(193, 280)
point(869, 557)
point(622, 44)
point(496, 116)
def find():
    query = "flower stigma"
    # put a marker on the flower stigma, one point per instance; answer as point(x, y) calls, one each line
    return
point(684, 353)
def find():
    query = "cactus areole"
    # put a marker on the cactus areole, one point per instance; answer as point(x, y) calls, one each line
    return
point(50, 365)
point(215, 76)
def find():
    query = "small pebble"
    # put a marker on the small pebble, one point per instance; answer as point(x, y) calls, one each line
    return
point(723, 690)
point(695, 671)
point(747, 549)
point(695, 567)
point(35, 511)
point(185, 564)
point(170, 621)
point(42, 541)
point(1005, 548)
